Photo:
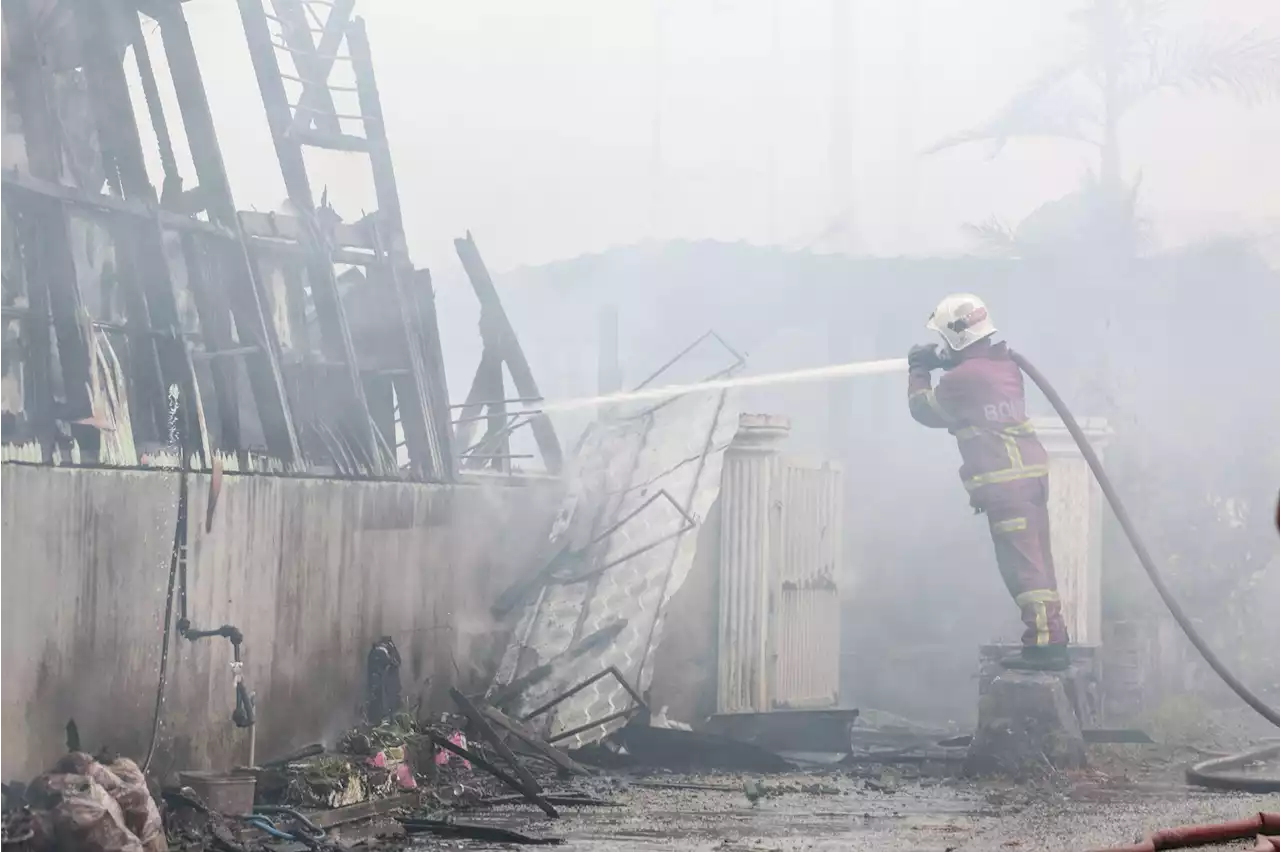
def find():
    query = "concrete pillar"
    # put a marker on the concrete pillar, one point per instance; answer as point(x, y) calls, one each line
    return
point(1075, 519)
point(746, 552)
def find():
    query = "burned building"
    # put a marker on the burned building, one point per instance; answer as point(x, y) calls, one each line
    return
point(145, 313)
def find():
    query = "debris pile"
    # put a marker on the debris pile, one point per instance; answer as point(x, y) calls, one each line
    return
point(90, 804)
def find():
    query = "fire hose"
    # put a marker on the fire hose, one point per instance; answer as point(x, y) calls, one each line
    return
point(1202, 773)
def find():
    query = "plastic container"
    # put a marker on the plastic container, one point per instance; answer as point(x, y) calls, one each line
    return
point(227, 793)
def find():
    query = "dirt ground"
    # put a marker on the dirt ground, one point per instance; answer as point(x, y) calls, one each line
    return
point(848, 813)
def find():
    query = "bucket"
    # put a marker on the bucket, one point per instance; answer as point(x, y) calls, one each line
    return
point(226, 793)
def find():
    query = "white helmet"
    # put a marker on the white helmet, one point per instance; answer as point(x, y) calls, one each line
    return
point(962, 320)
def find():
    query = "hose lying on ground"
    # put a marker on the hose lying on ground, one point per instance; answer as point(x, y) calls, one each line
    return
point(1157, 580)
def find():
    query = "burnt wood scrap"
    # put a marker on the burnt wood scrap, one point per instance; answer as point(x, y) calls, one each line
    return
point(135, 302)
point(409, 392)
point(487, 394)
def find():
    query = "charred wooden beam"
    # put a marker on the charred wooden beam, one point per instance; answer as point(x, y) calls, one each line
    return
point(335, 333)
point(423, 394)
point(316, 101)
point(50, 266)
point(504, 337)
point(244, 291)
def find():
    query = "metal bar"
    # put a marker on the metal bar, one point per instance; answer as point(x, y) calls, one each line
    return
point(335, 334)
point(506, 430)
point(244, 292)
point(565, 696)
point(487, 417)
point(522, 400)
point(573, 732)
point(739, 360)
point(500, 456)
point(316, 98)
point(424, 393)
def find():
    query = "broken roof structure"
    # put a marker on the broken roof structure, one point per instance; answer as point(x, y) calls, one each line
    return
point(142, 314)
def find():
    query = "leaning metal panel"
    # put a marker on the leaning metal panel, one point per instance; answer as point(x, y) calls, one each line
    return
point(637, 485)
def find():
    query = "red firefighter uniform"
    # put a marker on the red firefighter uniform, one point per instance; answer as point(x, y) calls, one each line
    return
point(980, 400)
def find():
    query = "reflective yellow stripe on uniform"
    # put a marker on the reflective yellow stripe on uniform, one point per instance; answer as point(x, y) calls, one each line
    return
point(1010, 525)
point(1038, 596)
point(1022, 430)
point(1036, 599)
point(930, 399)
point(1031, 471)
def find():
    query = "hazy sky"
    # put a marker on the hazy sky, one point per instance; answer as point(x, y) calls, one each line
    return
point(559, 127)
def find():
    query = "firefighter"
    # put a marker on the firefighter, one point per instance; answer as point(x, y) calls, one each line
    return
point(980, 400)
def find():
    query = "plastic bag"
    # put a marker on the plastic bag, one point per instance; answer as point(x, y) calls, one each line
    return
point(83, 815)
point(140, 812)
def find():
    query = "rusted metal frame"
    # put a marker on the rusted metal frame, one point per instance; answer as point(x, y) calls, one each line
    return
point(574, 690)
point(335, 333)
point(244, 291)
point(425, 392)
point(316, 102)
point(738, 358)
point(521, 375)
point(531, 789)
point(172, 187)
point(573, 732)
point(54, 266)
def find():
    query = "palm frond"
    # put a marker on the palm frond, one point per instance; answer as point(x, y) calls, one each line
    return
point(992, 237)
point(1047, 108)
point(1247, 66)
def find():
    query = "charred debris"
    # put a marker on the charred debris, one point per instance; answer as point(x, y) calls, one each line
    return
point(293, 342)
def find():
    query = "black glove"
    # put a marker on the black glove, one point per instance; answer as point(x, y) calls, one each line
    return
point(924, 357)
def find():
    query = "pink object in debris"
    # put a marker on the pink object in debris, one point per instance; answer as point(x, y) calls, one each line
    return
point(379, 760)
point(460, 740)
point(404, 777)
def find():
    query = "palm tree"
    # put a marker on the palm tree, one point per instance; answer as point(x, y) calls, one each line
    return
point(1123, 54)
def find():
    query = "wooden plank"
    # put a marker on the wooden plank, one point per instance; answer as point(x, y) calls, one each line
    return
point(509, 346)
point(335, 333)
point(51, 265)
point(330, 141)
point(318, 97)
point(316, 101)
point(244, 291)
point(91, 203)
point(522, 732)
point(423, 395)
point(282, 226)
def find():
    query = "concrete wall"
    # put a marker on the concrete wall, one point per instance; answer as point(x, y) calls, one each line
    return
point(312, 571)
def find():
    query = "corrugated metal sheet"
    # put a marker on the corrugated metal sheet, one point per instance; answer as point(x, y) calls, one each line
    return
point(805, 625)
point(620, 480)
